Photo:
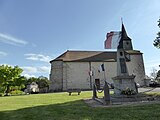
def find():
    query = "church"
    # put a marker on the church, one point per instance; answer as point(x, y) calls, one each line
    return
point(81, 69)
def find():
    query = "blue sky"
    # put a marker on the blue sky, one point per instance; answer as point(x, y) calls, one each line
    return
point(33, 32)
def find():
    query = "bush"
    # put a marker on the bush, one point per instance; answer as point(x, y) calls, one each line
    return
point(2, 89)
point(13, 88)
point(128, 91)
point(17, 92)
point(1, 94)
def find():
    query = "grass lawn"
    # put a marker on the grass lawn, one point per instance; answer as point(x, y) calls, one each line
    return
point(60, 106)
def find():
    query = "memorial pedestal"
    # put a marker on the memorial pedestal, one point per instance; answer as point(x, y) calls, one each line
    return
point(123, 82)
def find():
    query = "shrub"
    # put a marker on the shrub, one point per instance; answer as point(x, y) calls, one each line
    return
point(17, 92)
point(1, 94)
point(2, 89)
point(128, 91)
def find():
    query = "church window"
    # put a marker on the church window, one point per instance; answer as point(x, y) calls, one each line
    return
point(121, 53)
point(127, 43)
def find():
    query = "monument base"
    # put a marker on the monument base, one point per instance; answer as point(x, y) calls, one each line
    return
point(124, 83)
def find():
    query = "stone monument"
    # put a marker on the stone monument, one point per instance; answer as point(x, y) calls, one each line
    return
point(123, 81)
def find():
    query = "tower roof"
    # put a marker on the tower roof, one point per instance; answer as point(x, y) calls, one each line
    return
point(124, 37)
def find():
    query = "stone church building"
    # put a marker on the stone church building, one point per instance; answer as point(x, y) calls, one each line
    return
point(80, 69)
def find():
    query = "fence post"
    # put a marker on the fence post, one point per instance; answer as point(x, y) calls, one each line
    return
point(94, 92)
point(106, 93)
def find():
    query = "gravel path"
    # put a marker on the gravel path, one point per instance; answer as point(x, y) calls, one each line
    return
point(93, 103)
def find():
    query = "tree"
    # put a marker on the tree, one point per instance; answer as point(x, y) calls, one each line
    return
point(153, 73)
point(10, 76)
point(43, 82)
point(157, 40)
point(158, 73)
point(31, 79)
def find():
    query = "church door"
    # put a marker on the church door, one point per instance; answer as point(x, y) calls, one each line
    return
point(97, 82)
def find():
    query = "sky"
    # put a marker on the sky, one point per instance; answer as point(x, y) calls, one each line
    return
point(33, 32)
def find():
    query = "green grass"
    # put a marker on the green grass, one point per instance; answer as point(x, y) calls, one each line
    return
point(153, 93)
point(60, 106)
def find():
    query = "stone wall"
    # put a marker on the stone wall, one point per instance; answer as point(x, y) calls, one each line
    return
point(75, 75)
point(136, 67)
point(56, 76)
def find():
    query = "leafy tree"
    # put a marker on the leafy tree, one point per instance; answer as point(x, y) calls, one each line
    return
point(31, 79)
point(10, 76)
point(157, 40)
point(158, 73)
point(43, 82)
point(20, 82)
point(158, 76)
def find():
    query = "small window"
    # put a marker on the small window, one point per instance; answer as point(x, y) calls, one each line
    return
point(121, 53)
point(127, 43)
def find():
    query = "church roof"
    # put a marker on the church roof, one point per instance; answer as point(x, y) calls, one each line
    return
point(90, 56)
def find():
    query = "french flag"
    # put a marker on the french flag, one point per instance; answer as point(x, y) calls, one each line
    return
point(112, 40)
point(101, 68)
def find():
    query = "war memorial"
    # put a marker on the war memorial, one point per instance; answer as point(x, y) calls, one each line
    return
point(125, 88)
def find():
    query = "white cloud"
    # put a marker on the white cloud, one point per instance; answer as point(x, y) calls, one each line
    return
point(3, 54)
point(37, 57)
point(28, 69)
point(5, 38)
point(35, 70)
point(28, 75)
point(44, 69)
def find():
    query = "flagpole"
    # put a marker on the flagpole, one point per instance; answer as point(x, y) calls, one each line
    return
point(104, 73)
point(121, 20)
point(90, 69)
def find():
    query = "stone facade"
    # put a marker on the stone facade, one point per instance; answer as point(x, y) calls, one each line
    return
point(69, 73)
point(136, 67)
point(56, 76)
